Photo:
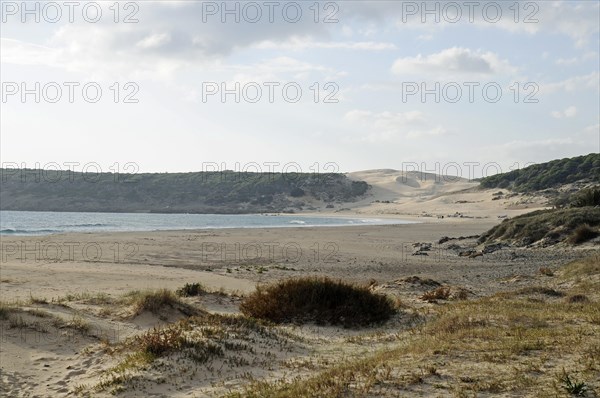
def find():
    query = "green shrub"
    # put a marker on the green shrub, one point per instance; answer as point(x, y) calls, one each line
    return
point(547, 175)
point(191, 289)
point(297, 192)
point(531, 227)
point(586, 197)
point(320, 300)
point(573, 387)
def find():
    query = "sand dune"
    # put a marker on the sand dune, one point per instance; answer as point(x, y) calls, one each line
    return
point(430, 196)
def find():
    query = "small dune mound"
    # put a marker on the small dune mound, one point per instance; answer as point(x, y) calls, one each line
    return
point(319, 300)
point(158, 302)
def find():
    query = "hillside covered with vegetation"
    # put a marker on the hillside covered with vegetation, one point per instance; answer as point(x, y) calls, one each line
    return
point(548, 175)
point(547, 227)
point(226, 192)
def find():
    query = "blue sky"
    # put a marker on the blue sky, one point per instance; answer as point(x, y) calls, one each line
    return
point(370, 54)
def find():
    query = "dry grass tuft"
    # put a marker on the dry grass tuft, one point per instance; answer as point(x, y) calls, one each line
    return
point(545, 291)
point(582, 268)
point(158, 342)
point(441, 293)
point(155, 301)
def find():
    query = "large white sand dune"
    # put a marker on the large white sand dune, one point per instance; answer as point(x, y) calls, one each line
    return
point(397, 184)
point(420, 194)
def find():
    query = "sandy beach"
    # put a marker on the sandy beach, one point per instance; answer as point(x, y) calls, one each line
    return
point(236, 259)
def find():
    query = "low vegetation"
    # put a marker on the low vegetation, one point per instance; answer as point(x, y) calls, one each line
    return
point(582, 269)
point(582, 234)
point(586, 197)
point(573, 387)
point(41, 321)
point(548, 175)
point(216, 342)
point(203, 192)
point(507, 344)
point(156, 301)
point(191, 290)
point(573, 225)
point(5, 310)
point(542, 339)
point(319, 300)
point(441, 293)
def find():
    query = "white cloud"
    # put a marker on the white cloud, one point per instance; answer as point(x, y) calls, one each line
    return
point(577, 60)
point(154, 41)
point(168, 37)
point(296, 44)
point(426, 37)
point(566, 61)
point(388, 126)
point(577, 20)
point(18, 52)
point(534, 151)
point(595, 128)
point(347, 31)
point(455, 61)
point(280, 68)
point(567, 113)
point(582, 82)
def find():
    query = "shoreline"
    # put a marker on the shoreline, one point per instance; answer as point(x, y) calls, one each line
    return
point(358, 221)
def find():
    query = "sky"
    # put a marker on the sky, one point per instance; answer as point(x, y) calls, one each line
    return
point(462, 88)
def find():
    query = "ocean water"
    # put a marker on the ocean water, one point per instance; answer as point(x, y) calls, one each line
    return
point(42, 223)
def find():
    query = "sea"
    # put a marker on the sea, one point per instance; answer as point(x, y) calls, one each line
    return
point(45, 223)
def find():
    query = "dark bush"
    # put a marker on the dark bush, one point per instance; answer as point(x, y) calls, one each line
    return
point(548, 175)
point(582, 234)
point(556, 224)
point(319, 300)
point(578, 298)
point(586, 197)
point(191, 289)
point(153, 301)
point(359, 188)
point(297, 192)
